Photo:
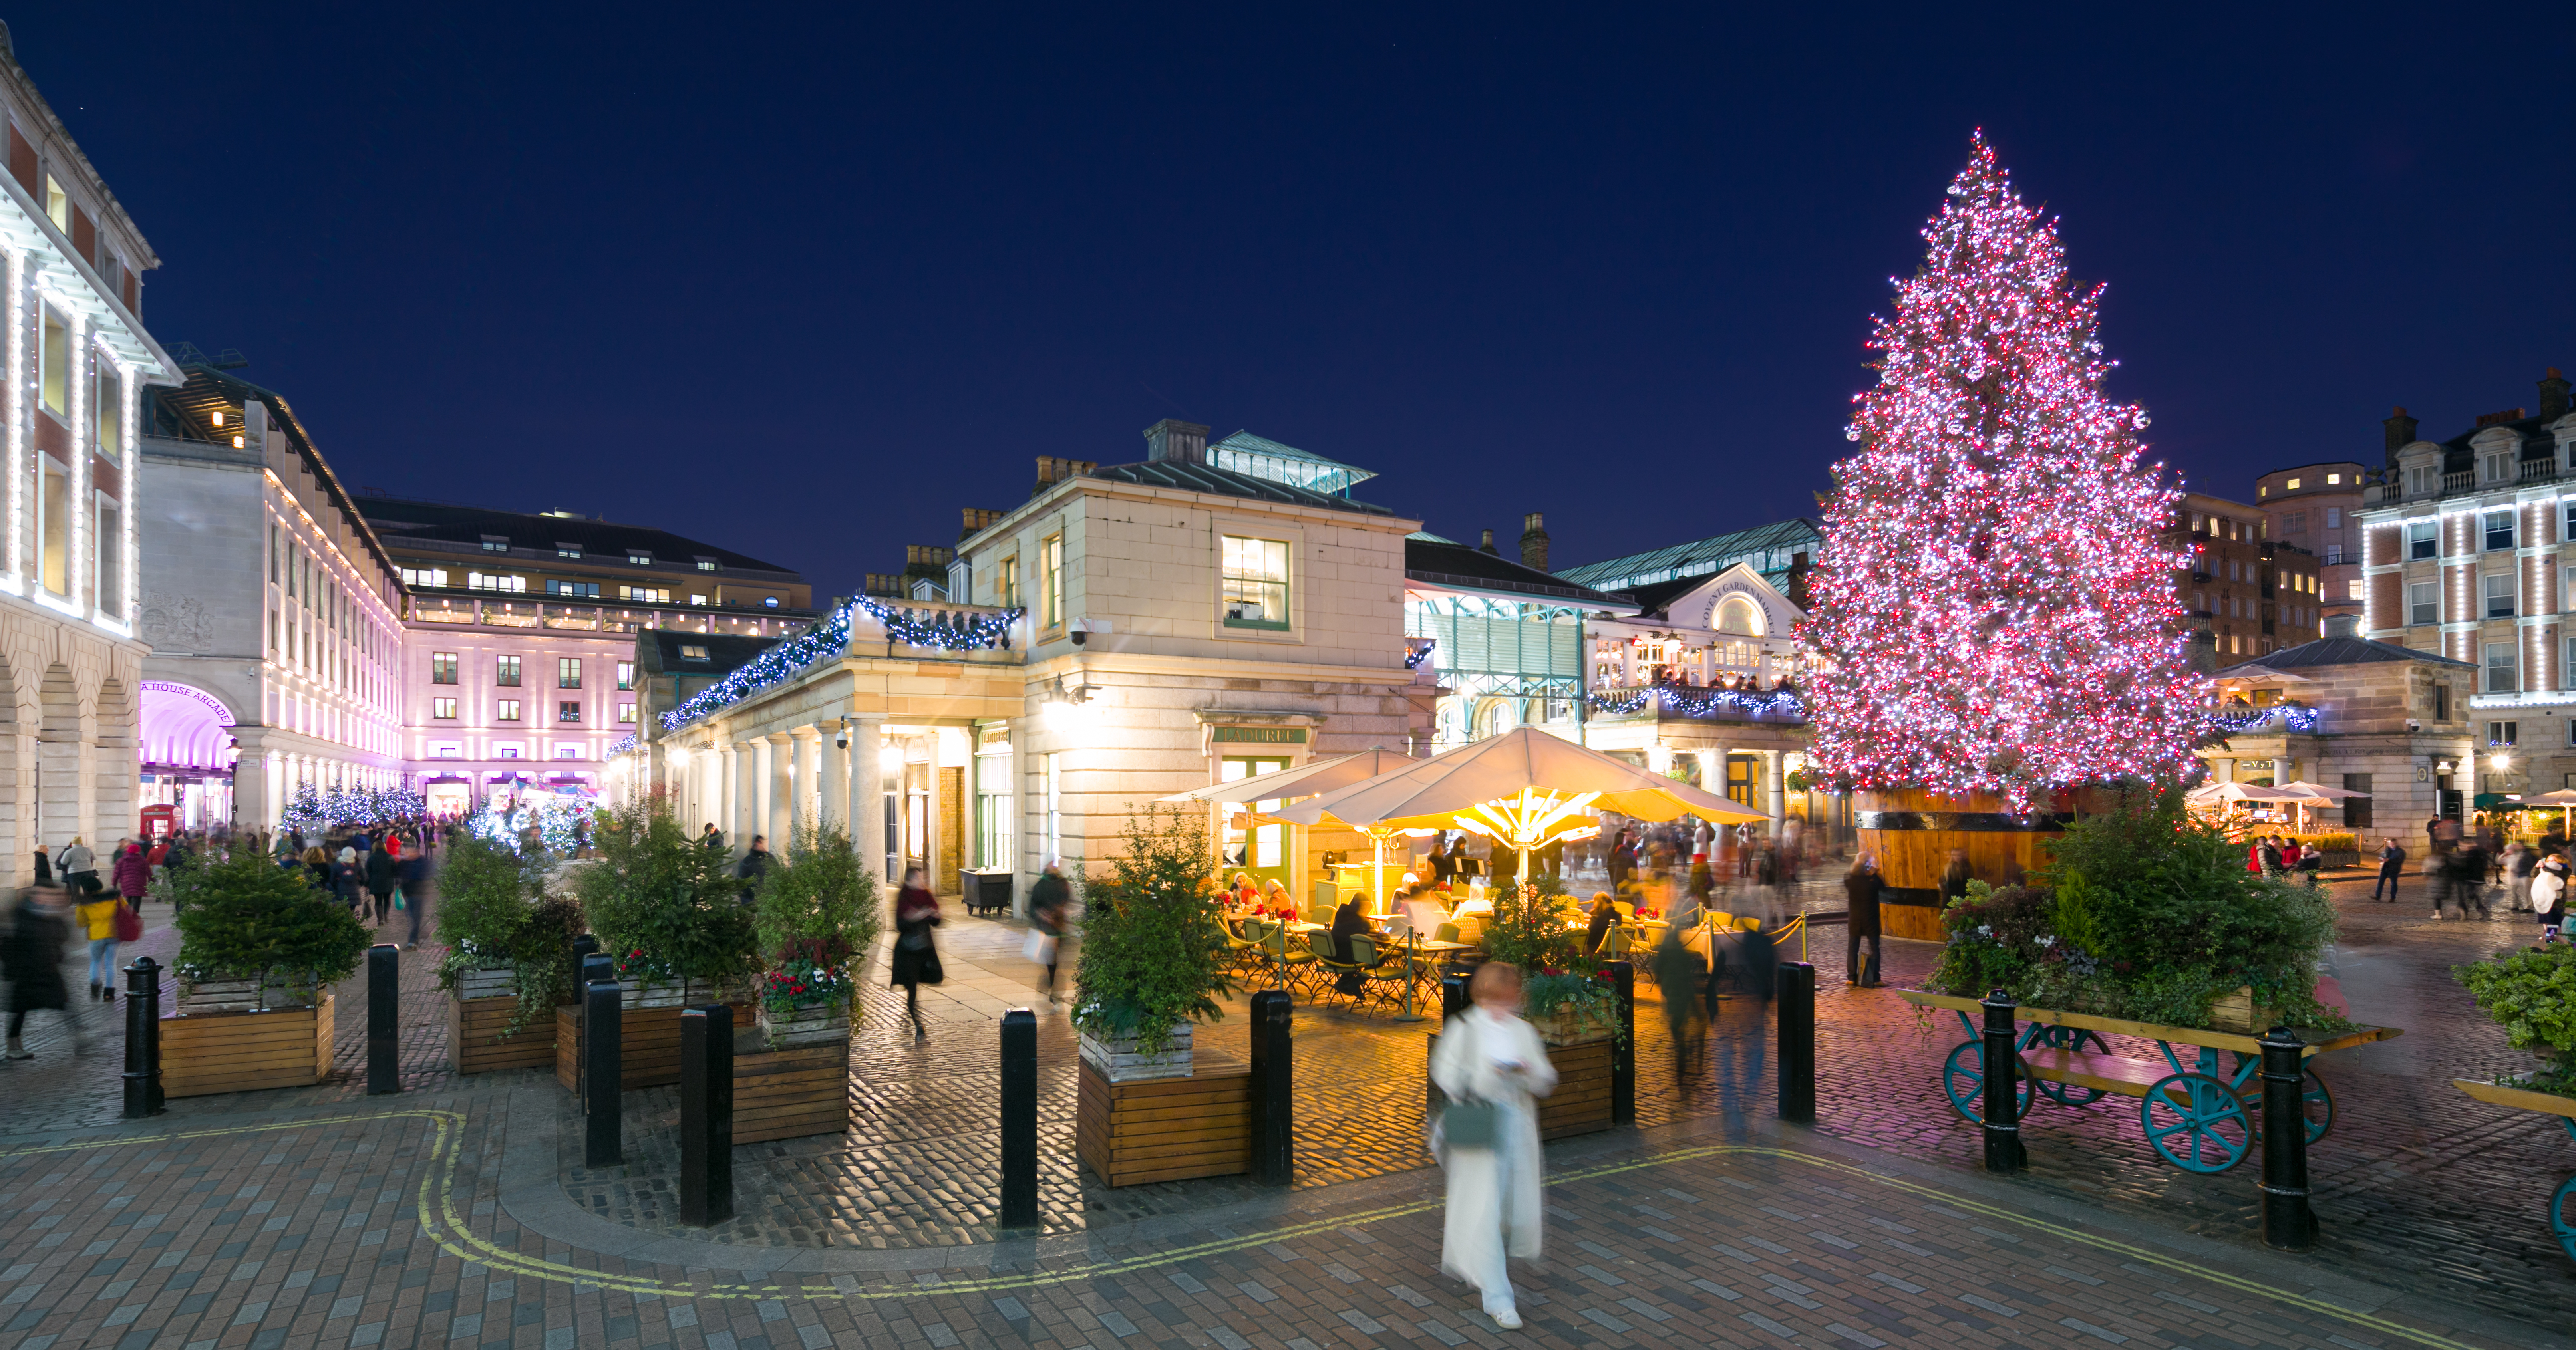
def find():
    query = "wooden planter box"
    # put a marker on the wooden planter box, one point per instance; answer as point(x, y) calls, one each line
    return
point(1581, 1102)
point(473, 1026)
point(1166, 1129)
point(209, 1052)
point(810, 1024)
point(648, 1048)
point(787, 1094)
point(1118, 1061)
point(2238, 1012)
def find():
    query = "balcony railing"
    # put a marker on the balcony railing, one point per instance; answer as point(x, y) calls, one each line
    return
point(2536, 470)
point(2462, 481)
point(1676, 700)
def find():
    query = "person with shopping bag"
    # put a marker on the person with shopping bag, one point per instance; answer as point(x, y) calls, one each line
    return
point(1492, 1068)
point(916, 956)
point(1049, 897)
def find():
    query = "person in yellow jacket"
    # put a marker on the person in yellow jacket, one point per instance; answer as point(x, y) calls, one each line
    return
point(98, 922)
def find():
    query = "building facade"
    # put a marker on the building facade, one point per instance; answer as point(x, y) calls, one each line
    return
point(272, 612)
point(79, 360)
point(519, 670)
point(2370, 717)
point(2244, 593)
point(1782, 553)
point(2464, 556)
point(2317, 507)
point(1500, 640)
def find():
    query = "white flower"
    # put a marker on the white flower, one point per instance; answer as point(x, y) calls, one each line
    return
point(2048, 940)
point(1985, 930)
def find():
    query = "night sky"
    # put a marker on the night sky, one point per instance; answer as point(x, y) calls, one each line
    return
point(803, 282)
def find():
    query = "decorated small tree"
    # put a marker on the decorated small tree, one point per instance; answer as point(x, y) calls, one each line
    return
point(816, 916)
point(1153, 947)
point(492, 916)
point(1994, 605)
point(664, 906)
point(252, 923)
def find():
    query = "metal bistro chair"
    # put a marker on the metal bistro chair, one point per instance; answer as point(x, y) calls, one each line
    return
point(1328, 969)
point(1384, 966)
point(1243, 949)
point(1287, 965)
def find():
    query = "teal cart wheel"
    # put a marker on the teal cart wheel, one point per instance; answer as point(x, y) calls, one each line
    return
point(2562, 1216)
point(2068, 1038)
point(2196, 1122)
point(2315, 1103)
point(1963, 1077)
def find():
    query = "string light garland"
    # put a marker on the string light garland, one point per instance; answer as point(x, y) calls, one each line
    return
point(2232, 720)
point(1995, 609)
point(942, 630)
point(619, 746)
point(1415, 656)
point(316, 808)
point(1687, 702)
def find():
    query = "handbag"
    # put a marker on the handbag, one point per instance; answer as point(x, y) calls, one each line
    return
point(930, 971)
point(1040, 948)
point(1469, 1122)
point(398, 897)
point(129, 924)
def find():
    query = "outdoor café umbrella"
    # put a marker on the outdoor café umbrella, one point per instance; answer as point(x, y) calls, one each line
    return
point(1322, 775)
point(1521, 789)
point(2563, 798)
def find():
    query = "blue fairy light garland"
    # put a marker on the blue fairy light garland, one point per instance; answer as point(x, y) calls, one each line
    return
point(944, 630)
point(2246, 719)
point(1701, 702)
point(1414, 657)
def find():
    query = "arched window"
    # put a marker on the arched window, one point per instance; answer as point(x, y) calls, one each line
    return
point(1737, 614)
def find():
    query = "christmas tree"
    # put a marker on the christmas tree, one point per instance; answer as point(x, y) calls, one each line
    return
point(1995, 606)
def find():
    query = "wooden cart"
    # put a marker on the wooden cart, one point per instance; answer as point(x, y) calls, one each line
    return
point(2195, 1114)
point(2562, 1223)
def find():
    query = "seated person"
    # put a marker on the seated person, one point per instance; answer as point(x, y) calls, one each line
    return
point(1274, 897)
point(1604, 914)
point(1348, 923)
point(1244, 893)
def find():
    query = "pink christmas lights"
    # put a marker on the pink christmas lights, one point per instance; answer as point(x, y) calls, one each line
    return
point(1995, 610)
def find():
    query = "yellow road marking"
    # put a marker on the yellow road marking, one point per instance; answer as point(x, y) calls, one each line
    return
point(449, 1231)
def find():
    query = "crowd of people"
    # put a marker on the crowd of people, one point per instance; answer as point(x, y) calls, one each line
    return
point(2464, 868)
point(376, 870)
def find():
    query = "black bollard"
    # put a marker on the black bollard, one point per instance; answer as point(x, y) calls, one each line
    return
point(142, 1038)
point(584, 946)
point(1020, 1116)
point(2003, 1083)
point(1623, 1051)
point(1274, 1067)
point(602, 1098)
point(588, 968)
point(1453, 992)
point(384, 1020)
point(2288, 1224)
point(706, 1115)
point(1797, 1041)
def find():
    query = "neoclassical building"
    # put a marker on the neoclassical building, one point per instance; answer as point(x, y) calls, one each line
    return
point(79, 358)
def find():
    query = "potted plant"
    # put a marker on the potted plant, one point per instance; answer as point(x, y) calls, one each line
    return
point(2532, 994)
point(815, 915)
point(1564, 992)
point(509, 959)
point(666, 907)
point(1153, 951)
point(259, 948)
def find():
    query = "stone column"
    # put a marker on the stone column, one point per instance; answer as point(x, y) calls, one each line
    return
point(742, 810)
point(1774, 793)
point(779, 812)
point(806, 798)
point(832, 786)
point(252, 808)
point(867, 797)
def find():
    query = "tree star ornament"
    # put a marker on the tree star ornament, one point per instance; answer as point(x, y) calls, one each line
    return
point(1995, 610)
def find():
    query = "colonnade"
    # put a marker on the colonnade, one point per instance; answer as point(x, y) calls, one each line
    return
point(783, 783)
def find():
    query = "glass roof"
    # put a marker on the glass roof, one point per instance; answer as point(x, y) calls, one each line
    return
point(1262, 457)
point(1766, 547)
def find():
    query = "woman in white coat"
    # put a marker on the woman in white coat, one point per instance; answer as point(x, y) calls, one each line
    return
point(1495, 1204)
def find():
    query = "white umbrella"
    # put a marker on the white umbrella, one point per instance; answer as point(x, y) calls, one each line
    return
point(1320, 775)
point(2319, 790)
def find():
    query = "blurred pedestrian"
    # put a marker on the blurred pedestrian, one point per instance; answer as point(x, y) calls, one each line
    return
point(2392, 865)
point(1049, 899)
point(411, 889)
point(1491, 1066)
point(916, 955)
point(98, 915)
point(78, 867)
point(378, 866)
point(32, 956)
point(1748, 1023)
point(754, 866)
point(1861, 890)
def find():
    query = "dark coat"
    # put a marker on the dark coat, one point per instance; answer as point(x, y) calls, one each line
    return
point(916, 953)
point(1862, 890)
point(132, 873)
point(1599, 929)
point(33, 958)
point(1348, 923)
point(380, 873)
point(344, 881)
point(2392, 859)
point(1954, 881)
point(1049, 897)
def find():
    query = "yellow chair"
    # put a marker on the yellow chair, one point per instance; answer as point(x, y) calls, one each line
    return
point(1329, 968)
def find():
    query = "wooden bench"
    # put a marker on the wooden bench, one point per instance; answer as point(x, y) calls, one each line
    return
point(2117, 1074)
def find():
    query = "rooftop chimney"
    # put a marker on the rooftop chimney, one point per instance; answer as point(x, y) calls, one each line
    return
point(1488, 545)
point(1052, 470)
point(2553, 396)
point(977, 518)
point(1176, 440)
point(1534, 541)
point(2401, 434)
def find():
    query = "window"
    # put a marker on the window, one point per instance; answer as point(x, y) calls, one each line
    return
point(563, 550)
point(58, 205)
point(626, 714)
point(639, 557)
point(2294, 486)
point(696, 599)
point(443, 708)
point(690, 651)
point(505, 671)
point(2421, 541)
point(580, 590)
point(567, 672)
point(625, 674)
point(2331, 480)
point(1051, 582)
point(2334, 514)
point(54, 377)
point(2441, 702)
point(493, 543)
point(569, 710)
point(505, 750)
point(107, 410)
point(424, 576)
point(2499, 529)
point(107, 540)
point(506, 710)
point(1007, 583)
point(2356, 810)
point(2499, 596)
point(1256, 582)
point(2422, 480)
point(706, 564)
point(993, 797)
point(563, 751)
point(645, 595)
point(2500, 668)
point(54, 524)
point(2499, 466)
point(2334, 554)
point(2295, 522)
point(446, 750)
point(2501, 735)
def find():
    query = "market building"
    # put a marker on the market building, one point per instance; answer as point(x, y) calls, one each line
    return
point(273, 614)
point(1782, 553)
point(2465, 556)
point(2317, 507)
point(2244, 594)
point(1207, 614)
point(2348, 712)
point(71, 666)
point(518, 673)
point(1502, 639)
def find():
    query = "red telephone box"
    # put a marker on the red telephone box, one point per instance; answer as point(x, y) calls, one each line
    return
point(160, 822)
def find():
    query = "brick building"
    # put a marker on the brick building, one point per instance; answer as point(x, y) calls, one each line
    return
point(2315, 506)
point(2245, 594)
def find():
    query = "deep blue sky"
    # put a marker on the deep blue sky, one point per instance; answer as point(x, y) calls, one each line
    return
point(804, 281)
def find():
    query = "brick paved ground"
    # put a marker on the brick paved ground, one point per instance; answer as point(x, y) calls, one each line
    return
point(2424, 1194)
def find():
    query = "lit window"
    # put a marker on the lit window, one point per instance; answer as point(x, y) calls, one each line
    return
point(54, 366)
point(626, 714)
point(505, 749)
point(697, 599)
point(1256, 582)
point(639, 558)
point(625, 674)
point(505, 671)
point(568, 710)
point(2333, 478)
point(1051, 582)
point(1009, 583)
point(706, 564)
point(692, 652)
point(486, 581)
point(645, 595)
point(446, 750)
point(107, 410)
point(443, 708)
point(493, 543)
point(442, 667)
point(424, 576)
point(567, 672)
point(506, 710)
point(567, 550)
point(580, 590)
point(58, 205)
point(2293, 485)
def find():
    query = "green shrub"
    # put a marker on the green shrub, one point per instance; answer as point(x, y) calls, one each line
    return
point(2532, 995)
point(1153, 935)
point(656, 891)
point(250, 919)
point(816, 892)
point(491, 915)
point(1528, 930)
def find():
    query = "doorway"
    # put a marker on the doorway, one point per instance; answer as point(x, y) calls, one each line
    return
point(1261, 850)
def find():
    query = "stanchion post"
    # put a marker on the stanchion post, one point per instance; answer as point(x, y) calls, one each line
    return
point(142, 1038)
point(1797, 1041)
point(384, 1019)
point(2288, 1224)
point(1274, 1120)
point(706, 1115)
point(2003, 1085)
point(1020, 1117)
point(1623, 1050)
point(602, 1097)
